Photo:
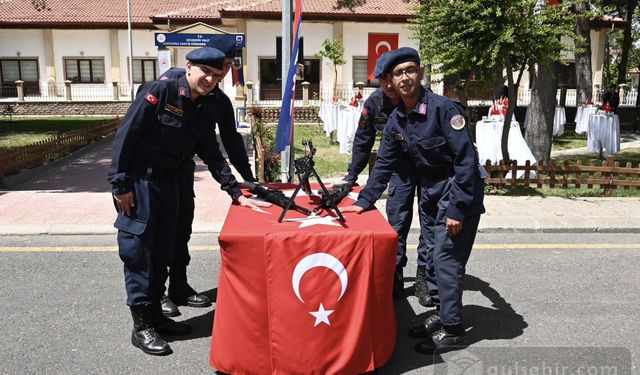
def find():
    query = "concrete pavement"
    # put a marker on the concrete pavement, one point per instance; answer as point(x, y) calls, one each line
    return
point(72, 196)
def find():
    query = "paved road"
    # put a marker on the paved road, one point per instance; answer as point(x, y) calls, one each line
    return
point(567, 299)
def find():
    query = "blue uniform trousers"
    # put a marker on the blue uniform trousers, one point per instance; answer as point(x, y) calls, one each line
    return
point(446, 256)
point(402, 190)
point(145, 240)
point(186, 208)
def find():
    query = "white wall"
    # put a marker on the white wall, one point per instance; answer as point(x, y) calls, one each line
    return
point(28, 43)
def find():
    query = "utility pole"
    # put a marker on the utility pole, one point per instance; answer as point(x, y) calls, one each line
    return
point(130, 47)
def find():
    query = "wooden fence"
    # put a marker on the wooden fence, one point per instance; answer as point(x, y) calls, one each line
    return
point(609, 175)
point(16, 159)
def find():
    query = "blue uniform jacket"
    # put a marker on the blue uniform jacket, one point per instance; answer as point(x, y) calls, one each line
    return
point(163, 128)
point(225, 118)
point(431, 138)
point(373, 118)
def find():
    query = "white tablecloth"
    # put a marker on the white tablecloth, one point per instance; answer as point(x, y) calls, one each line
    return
point(347, 125)
point(559, 119)
point(604, 132)
point(328, 113)
point(340, 119)
point(582, 118)
point(488, 141)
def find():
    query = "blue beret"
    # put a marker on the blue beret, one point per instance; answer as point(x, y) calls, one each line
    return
point(381, 65)
point(173, 73)
point(400, 56)
point(207, 56)
point(224, 43)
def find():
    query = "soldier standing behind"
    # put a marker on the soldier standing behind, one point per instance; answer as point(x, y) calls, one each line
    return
point(403, 182)
point(166, 123)
point(430, 131)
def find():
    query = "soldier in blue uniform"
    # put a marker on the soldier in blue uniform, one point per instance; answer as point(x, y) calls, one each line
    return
point(430, 131)
point(166, 123)
point(179, 291)
point(403, 182)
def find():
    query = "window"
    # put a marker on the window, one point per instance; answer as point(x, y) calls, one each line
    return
point(84, 70)
point(144, 70)
point(12, 70)
point(360, 72)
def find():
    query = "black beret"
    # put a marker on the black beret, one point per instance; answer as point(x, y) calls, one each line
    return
point(400, 56)
point(224, 43)
point(207, 56)
point(381, 64)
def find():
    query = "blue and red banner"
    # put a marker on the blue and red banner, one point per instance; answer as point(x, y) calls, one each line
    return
point(284, 135)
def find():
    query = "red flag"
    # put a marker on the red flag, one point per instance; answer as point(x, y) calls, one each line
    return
point(379, 44)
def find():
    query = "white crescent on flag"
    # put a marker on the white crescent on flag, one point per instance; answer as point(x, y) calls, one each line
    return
point(382, 43)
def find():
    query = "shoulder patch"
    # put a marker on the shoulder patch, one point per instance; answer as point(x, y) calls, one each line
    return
point(422, 109)
point(458, 122)
point(365, 113)
point(151, 98)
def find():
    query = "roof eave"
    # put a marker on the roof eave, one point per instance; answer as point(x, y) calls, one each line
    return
point(357, 17)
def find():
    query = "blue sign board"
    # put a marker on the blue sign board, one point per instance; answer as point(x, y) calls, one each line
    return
point(193, 40)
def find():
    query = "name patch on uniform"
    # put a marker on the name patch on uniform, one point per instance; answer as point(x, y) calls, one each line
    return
point(175, 110)
point(422, 109)
point(183, 91)
point(398, 137)
point(365, 113)
point(151, 98)
point(381, 120)
point(458, 122)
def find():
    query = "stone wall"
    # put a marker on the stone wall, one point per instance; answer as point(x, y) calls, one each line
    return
point(65, 108)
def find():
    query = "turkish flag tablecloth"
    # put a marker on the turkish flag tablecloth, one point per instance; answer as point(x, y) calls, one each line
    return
point(305, 296)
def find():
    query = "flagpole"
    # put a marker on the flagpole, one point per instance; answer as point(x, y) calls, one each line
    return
point(285, 162)
point(130, 47)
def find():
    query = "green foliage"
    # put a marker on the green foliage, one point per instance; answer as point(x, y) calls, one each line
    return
point(333, 50)
point(481, 35)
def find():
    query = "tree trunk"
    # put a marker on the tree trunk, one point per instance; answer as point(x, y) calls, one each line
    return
point(584, 83)
point(626, 42)
point(541, 112)
point(513, 102)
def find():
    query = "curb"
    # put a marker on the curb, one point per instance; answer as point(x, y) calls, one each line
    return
point(102, 229)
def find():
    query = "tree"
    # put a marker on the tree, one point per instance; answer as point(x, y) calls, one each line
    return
point(482, 35)
point(333, 50)
point(584, 82)
point(630, 8)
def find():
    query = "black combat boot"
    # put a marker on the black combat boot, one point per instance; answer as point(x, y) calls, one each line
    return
point(398, 284)
point(167, 326)
point(445, 339)
point(428, 328)
point(420, 287)
point(144, 336)
point(181, 293)
point(168, 307)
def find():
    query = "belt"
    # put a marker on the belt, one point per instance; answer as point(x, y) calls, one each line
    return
point(155, 173)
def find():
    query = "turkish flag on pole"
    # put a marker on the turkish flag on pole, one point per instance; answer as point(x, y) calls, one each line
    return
point(379, 44)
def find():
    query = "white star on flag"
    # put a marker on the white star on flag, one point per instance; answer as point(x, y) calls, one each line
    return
point(314, 219)
point(322, 315)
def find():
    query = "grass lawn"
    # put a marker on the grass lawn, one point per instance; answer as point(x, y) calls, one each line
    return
point(24, 131)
